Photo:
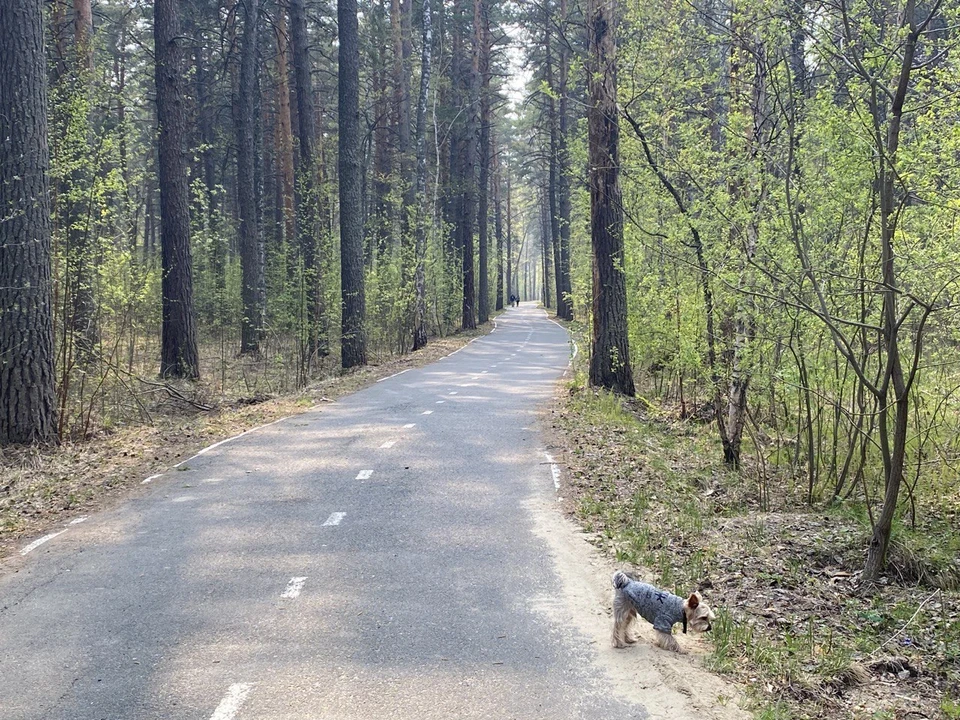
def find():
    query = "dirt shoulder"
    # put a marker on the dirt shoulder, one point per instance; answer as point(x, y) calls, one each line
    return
point(796, 627)
point(44, 488)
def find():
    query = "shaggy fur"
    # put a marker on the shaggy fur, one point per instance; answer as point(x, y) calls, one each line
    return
point(662, 609)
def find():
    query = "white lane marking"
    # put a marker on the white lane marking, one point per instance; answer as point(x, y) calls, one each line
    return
point(394, 375)
point(553, 470)
point(230, 439)
point(459, 349)
point(37, 543)
point(453, 392)
point(232, 701)
point(213, 480)
point(77, 521)
point(152, 477)
point(334, 518)
point(294, 587)
point(484, 372)
point(184, 498)
point(440, 402)
point(427, 412)
point(364, 474)
point(388, 444)
point(409, 425)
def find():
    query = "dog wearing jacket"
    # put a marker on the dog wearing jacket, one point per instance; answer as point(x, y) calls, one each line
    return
point(656, 606)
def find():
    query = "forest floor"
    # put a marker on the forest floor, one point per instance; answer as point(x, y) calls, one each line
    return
point(41, 488)
point(795, 624)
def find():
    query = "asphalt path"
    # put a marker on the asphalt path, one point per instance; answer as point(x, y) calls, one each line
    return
point(373, 558)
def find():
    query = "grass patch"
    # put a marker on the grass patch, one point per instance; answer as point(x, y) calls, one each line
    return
point(793, 624)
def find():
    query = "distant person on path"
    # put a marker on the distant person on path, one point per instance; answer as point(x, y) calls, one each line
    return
point(513, 299)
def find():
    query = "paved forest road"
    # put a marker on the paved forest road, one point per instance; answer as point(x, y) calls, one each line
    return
point(374, 558)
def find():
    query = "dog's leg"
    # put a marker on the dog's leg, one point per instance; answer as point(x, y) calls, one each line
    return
point(668, 642)
point(629, 637)
point(621, 619)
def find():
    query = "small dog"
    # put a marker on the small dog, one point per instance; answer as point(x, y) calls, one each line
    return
point(663, 609)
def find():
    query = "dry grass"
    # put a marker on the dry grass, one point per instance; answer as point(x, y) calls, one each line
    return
point(796, 625)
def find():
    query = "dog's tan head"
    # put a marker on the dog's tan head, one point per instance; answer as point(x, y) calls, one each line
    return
point(699, 615)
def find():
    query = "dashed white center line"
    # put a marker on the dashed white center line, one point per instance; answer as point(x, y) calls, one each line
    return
point(364, 474)
point(388, 444)
point(440, 402)
point(334, 518)
point(294, 587)
point(409, 425)
point(484, 372)
point(40, 541)
point(427, 412)
point(232, 701)
point(453, 392)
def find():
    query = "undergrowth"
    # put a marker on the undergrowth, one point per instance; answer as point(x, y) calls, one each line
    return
point(794, 624)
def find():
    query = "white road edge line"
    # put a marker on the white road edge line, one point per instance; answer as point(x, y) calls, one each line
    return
point(232, 701)
point(37, 543)
point(388, 444)
point(152, 477)
point(294, 587)
point(334, 518)
point(459, 349)
point(364, 474)
point(553, 470)
point(409, 425)
point(394, 375)
point(77, 521)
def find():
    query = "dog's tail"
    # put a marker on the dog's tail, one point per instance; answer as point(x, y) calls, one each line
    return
point(620, 580)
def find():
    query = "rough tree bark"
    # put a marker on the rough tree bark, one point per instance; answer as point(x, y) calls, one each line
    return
point(610, 355)
point(484, 42)
point(307, 197)
point(253, 318)
point(420, 247)
point(178, 355)
point(81, 263)
point(565, 288)
point(353, 351)
point(28, 410)
point(284, 128)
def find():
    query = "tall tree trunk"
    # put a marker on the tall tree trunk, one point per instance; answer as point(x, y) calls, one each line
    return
point(420, 248)
point(383, 144)
point(546, 247)
point(28, 409)
point(81, 263)
point(564, 287)
point(353, 350)
point(285, 130)
point(178, 356)
point(482, 29)
point(888, 145)
point(498, 226)
point(469, 76)
point(251, 241)
point(308, 194)
point(747, 90)
point(610, 354)
point(552, 165)
point(510, 288)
